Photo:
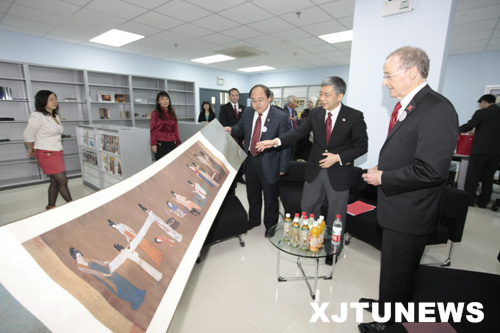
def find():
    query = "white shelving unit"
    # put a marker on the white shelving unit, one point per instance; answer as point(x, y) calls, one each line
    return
point(111, 153)
point(78, 93)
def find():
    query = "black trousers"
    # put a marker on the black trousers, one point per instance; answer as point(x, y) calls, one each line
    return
point(163, 148)
point(257, 185)
point(481, 167)
point(401, 254)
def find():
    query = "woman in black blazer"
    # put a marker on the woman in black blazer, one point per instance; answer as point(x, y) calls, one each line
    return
point(206, 113)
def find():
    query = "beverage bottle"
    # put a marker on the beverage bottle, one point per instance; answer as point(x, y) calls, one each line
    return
point(311, 220)
point(287, 228)
point(301, 220)
point(322, 227)
point(314, 241)
point(304, 235)
point(336, 231)
point(294, 240)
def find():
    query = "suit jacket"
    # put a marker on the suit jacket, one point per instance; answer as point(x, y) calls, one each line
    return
point(274, 160)
point(487, 131)
point(227, 116)
point(348, 139)
point(294, 113)
point(415, 160)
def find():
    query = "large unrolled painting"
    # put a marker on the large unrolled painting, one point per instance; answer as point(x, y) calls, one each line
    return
point(118, 260)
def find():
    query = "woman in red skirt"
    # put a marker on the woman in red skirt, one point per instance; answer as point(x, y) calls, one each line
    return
point(42, 137)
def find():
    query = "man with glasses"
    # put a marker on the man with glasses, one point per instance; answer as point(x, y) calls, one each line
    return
point(410, 176)
point(339, 138)
point(263, 169)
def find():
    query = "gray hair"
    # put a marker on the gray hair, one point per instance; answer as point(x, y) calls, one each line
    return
point(338, 84)
point(313, 100)
point(290, 99)
point(412, 56)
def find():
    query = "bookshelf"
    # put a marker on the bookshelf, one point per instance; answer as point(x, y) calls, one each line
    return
point(83, 96)
point(111, 153)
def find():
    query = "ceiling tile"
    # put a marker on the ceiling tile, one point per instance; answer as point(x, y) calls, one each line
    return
point(216, 6)
point(184, 10)
point(216, 22)
point(246, 13)
point(158, 20)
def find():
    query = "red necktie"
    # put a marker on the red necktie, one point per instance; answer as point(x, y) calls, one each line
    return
point(394, 117)
point(328, 127)
point(236, 112)
point(255, 136)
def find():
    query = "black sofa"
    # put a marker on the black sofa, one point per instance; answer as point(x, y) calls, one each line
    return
point(231, 221)
point(454, 208)
point(435, 284)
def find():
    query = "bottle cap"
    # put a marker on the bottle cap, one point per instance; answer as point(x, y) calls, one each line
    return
point(287, 214)
point(296, 214)
point(338, 216)
point(312, 215)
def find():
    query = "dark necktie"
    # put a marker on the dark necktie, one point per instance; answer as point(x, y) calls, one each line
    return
point(328, 127)
point(255, 136)
point(394, 117)
point(236, 112)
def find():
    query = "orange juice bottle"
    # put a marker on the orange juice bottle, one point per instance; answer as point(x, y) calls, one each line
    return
point(314, 241)
point(322, 227)
point(294, 241)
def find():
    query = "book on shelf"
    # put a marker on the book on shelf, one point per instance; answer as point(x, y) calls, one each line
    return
point(104, 113)
point(125, 114)
point(120, 98)
point(5, 93)
point(70, 99)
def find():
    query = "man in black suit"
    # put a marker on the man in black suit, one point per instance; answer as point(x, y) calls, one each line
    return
point(262, 169)
point(289, 109)
point(411, 174)
point(485, 151)
point(229, 115)
point(330, 165)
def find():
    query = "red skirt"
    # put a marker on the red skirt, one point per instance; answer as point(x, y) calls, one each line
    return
point(50, 161)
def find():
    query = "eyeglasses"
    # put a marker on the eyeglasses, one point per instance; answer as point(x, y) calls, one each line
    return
point(388, 76)
point(327, 95)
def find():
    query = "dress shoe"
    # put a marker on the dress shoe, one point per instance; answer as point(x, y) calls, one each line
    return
point(372, 327)
point(269, 233)
point(370, 302)
point(482, 205)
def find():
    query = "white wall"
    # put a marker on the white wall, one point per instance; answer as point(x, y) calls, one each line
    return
point(23, 48)
point(466, 77)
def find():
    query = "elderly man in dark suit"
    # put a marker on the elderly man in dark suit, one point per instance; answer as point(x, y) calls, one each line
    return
point(263, 169)
point(485, 151)
point(411, 174)
point(339, 138)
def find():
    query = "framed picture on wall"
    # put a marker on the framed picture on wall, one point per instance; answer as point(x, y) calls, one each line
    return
point(105, 97)
point(494, 90)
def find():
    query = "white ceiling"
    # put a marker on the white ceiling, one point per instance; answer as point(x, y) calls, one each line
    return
point(180, 30)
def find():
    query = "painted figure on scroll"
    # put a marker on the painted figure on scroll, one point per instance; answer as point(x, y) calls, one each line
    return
point(115, 282)
point(147, 246)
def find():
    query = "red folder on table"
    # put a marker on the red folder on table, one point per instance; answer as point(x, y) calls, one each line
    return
point(359, 207)
point(429, 328)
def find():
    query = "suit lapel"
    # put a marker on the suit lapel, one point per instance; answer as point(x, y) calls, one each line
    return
point(409, 110)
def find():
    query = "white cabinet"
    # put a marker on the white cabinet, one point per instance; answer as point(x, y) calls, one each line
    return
point(111, 153)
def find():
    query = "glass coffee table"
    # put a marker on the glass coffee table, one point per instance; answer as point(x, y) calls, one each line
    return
point(322, 253)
